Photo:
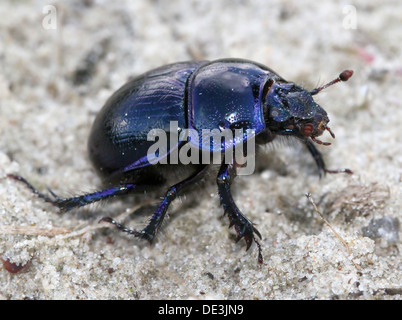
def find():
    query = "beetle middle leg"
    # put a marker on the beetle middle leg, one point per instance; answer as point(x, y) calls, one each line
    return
point(152, 228)
point(243, 226)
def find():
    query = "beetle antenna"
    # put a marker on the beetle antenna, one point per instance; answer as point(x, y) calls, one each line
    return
point(344, 76)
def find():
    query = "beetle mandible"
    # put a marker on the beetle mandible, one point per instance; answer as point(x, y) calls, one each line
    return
point(197, 95)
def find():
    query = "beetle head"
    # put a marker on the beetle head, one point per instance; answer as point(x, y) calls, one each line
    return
point(291, 110)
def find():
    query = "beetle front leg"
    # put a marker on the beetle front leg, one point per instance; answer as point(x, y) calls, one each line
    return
point(243, 226)
point(317, 156)
point(320, 161)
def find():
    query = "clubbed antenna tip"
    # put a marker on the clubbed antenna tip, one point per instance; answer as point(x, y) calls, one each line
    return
point(344, 76)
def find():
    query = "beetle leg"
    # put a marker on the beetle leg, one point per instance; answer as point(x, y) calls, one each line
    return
point(65, 204)
point(320, 161)
point(83, 200)
point(317, 156)
point(243, 226)
point(152, 228)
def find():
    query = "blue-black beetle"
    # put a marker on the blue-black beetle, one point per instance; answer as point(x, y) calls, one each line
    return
point(225, 94)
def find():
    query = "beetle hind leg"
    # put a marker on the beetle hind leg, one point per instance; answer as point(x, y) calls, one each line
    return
point(66, 204)
point(243, 226)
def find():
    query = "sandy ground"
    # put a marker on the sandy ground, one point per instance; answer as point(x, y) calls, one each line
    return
point(54, 80)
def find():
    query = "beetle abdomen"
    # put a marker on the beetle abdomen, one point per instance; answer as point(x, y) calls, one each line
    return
point(118, 140)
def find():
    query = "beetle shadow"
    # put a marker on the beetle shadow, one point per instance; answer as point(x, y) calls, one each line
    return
point(304, 216)
point(287, 156)
point(267, 159)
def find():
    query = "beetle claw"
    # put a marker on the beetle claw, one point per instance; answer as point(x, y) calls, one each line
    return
point(246, 230)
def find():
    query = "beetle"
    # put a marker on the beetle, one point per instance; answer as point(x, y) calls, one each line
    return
point(227, 94)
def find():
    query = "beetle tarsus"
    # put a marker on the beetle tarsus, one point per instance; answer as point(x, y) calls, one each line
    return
point(343, 170)
point(260, 257)
point(30, 186)
point(121, 227)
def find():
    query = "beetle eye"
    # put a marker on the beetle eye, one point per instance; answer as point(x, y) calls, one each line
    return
point(308, 130)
